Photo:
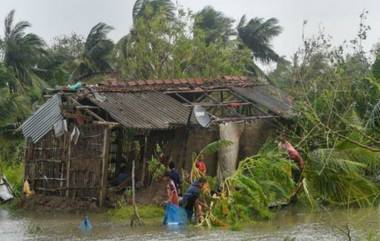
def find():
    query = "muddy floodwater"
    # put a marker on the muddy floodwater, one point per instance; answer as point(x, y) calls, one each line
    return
point(289, 223)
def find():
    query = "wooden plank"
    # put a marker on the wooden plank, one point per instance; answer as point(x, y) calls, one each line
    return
point(87, 110)
point(107, 123)
point(63, 188)
point(65, 139)
point(49, 178)
point(49, 160)
point(244, 118)
point(104, 169)
point(207, 104)
point(68, 163)
point(195, 91)
point(86, 107)
point(27, 148)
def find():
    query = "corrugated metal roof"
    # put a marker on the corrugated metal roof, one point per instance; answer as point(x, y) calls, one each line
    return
point(144, 110)
point(42, 121)
point(268, 96)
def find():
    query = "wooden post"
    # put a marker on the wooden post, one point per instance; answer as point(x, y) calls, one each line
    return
point(133, 184)
point(68, 163)
point(104, 170)
point(28, 150)
point(62, 157)
point(144, 159)
point(135, 216)
point(119, 150)
point(182, 160)
point(221, 101)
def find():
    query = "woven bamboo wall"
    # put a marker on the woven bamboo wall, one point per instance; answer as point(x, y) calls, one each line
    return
point(58, 167)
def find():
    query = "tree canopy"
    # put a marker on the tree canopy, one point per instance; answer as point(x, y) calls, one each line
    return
point(20, 51)
point(257, 34)
point(214, 25)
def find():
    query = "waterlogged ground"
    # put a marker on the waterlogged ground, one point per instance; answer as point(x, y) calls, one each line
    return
point(290, 223)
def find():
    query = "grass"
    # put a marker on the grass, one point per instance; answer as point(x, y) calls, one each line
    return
point(10, 162)
point(125, 211)
point(14, 173)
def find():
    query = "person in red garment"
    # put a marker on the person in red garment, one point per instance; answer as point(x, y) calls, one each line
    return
point(171, 190)
point(201, 165)
point(293, 155)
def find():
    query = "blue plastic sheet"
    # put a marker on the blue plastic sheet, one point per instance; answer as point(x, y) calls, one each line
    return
point(174, 215)
point(86, 225)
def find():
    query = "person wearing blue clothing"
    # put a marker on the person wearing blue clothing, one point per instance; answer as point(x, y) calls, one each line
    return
point(121, 177)
point(174, 176)
point(191, 195)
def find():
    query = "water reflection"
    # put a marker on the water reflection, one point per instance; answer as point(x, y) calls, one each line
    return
point(302, 225)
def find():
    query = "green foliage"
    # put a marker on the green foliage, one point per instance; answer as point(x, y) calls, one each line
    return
point(211, 148)
point(257, 34)
point(374, 117)
point(214, 25)
point(340, 177)
point(21, 51)
point(214, 147)
point(60, 62)
point(95, 57)
point(14, 172)
point(259, 181)
point(376, 68)
point(282, 75)
point(336, 128)
point(156, 169)
point(161, 49)
point(146, 9)
point(124, 211)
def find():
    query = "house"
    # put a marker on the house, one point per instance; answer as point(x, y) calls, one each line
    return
point(78, 141)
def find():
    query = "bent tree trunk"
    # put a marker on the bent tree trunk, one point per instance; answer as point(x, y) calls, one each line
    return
point(228, 155)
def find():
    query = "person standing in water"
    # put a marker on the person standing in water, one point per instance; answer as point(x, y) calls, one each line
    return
point(190, 197)
point(295, 156)
point(174, 176)
point(171, 190)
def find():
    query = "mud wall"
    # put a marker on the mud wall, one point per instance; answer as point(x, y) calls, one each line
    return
point(185, 144)
point(254, 136)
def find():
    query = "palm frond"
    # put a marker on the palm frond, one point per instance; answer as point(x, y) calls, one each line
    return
point(374, 117)
point(96, 53)
point(147, 8)
point(9, 22)
point(257, 35)
point(338, 178)
point(214, 147)
point(22, 50)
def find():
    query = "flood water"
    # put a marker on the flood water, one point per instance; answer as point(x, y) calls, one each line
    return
point(291, 223)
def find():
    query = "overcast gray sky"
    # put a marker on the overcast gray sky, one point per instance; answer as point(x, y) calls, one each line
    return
point(340, 18)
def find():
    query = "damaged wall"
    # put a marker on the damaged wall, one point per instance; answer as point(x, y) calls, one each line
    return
point(254, 136)
point(55, 166)
point(197, 138)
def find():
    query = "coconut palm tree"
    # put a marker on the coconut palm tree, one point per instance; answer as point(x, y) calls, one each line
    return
point(95, 56)
point(214, 24)
point(148, 8)
point(257, 35)
point(20, 51)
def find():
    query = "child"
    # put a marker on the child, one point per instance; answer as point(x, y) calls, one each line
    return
point(201, 165)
